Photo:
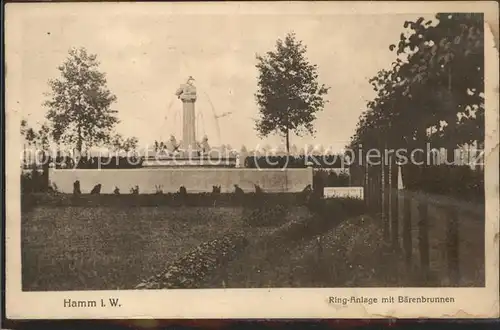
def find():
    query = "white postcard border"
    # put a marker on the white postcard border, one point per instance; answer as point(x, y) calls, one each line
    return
point(255, 303)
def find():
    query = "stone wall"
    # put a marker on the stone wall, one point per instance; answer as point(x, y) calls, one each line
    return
point(194, 179)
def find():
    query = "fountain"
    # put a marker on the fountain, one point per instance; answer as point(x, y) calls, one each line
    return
point(190, 152)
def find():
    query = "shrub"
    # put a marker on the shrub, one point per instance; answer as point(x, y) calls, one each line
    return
point(97, 162)
point(134, 190)
point(258, 189)
point(26, 183)
point(455, 181)
point(34, 181)
point(96, 190)
point(238, 191)
point(248, 200)
point(323, 178)
point(76, 188)
point(181, 197)
point(325, 161)
point(336, 209)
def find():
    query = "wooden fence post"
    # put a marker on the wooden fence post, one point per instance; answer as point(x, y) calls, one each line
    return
point(376, 192)
point(423, 239)
point(383, 198)
point(372, 182)
point(394, 207)
point(382, 193)
point(371, 179)
point(407, 240)
point(365, 184)
point(368, 193)
point(452, 242)
point(370, 188)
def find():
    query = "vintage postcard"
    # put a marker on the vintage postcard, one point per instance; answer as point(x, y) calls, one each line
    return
point(252, 160)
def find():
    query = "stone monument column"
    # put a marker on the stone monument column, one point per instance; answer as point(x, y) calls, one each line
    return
point(187, 94)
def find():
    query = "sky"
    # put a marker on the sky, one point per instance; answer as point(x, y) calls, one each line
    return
point(147, 54)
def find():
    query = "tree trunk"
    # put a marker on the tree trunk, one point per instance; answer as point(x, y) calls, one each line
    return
point(423, 240)
point(287, 133)
point(79, 141)
point(287, 137)
point(45, 172)
point(450, 143)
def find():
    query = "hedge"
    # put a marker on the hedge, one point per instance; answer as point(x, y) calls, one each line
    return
point(317, 161)
point(456, 181)
point(34, 181)
point(169, 199)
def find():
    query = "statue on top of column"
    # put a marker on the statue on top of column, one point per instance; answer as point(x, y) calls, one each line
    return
point(187, 91)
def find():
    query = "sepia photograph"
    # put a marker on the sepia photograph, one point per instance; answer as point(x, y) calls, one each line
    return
point(251, 159)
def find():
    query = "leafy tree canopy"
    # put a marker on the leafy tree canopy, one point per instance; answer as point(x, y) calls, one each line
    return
point(119, 143)
point(289, 94)
point(79, 104)
point(38, 138)
point(434, 91)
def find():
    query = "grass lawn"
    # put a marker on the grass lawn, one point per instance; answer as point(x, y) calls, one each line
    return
point(106, 248)
point(111, 247)
point(344, 255)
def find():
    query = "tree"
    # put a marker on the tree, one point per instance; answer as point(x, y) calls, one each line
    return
point(289, 95)
point(80, 102)
point(44, 137)
point(28, 133)
point(434, 91)
point(446, 69)
point(24, 127)
point(39, 139)
point(435, 83)
point(128, 144)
